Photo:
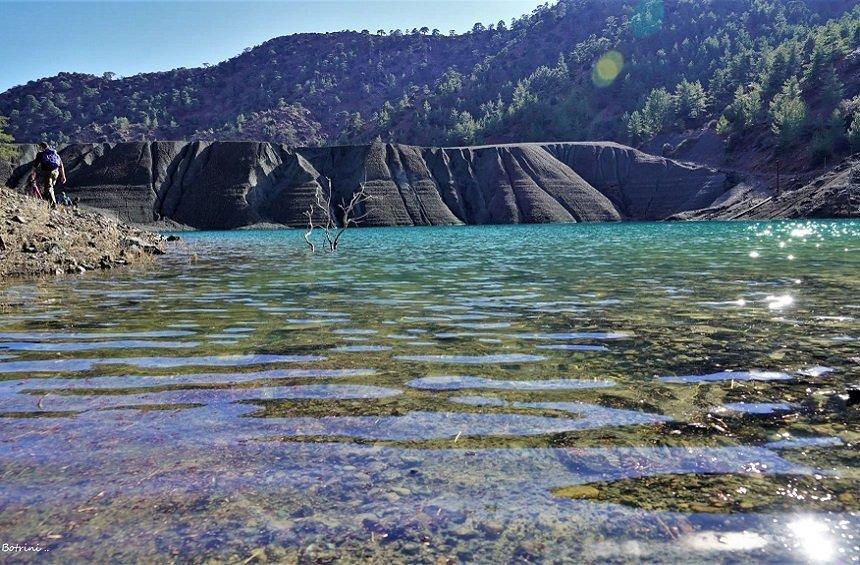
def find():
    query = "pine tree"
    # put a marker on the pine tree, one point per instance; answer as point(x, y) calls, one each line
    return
point(659, 111)
point(830, 86)
point(788, 112)
point(465, 129)
point(783, 65)
point(385, 115)
point(746, 107)
point(636, 127)
point(561, 64)
point(826, 137)
point(818, 60)
point(692, 102)
point(820, 74)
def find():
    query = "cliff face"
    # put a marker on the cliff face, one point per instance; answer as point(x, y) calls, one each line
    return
point(217, 185)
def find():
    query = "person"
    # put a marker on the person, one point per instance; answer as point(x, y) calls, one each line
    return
point(47, 168)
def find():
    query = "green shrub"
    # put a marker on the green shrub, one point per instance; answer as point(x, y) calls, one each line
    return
point(788, 113)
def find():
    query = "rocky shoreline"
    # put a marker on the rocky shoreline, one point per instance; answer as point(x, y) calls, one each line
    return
point(38, 241)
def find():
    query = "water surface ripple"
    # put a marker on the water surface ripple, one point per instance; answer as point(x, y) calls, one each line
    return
point(426, 393)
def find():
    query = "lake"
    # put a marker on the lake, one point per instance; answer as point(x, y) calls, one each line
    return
point(668, 392)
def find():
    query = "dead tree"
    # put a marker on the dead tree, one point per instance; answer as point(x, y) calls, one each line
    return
point(310, 214)
point(335, 220)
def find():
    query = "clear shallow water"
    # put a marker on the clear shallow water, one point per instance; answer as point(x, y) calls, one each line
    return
point(428, 394)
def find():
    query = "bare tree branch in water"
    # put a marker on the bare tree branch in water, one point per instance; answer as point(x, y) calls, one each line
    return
point(310, 215)
point(350, 215)
point(323, 201)
point(333, 227)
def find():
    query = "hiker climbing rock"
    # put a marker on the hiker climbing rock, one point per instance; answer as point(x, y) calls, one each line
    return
point(47, 168)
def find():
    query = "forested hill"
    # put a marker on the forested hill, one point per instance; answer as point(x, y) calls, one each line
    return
point(780, 73)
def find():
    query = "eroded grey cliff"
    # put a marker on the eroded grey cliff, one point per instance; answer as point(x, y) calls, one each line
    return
point(216, 185)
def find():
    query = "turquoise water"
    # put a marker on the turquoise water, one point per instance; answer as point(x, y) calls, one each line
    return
point(494, 394)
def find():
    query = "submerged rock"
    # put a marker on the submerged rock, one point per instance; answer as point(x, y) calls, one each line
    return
point(583, 492)
point(722, 493)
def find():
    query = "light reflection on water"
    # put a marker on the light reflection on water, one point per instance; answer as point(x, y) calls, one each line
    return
point(248, 399)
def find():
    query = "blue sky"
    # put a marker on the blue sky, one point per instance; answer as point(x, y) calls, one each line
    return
point(41, 38)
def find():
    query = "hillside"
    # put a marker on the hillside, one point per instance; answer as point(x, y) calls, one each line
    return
point(765, 78)
point(313, 85)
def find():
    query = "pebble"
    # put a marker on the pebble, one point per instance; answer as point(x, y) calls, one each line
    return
point(410, 548)
point(368, 520)
point(465, 532)
point(492, 528)
point(528, 549)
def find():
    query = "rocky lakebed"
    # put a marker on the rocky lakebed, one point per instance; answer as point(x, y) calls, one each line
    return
point(667, 392)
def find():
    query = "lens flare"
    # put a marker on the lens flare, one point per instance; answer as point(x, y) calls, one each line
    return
point(607, 68)
point(647, 19)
